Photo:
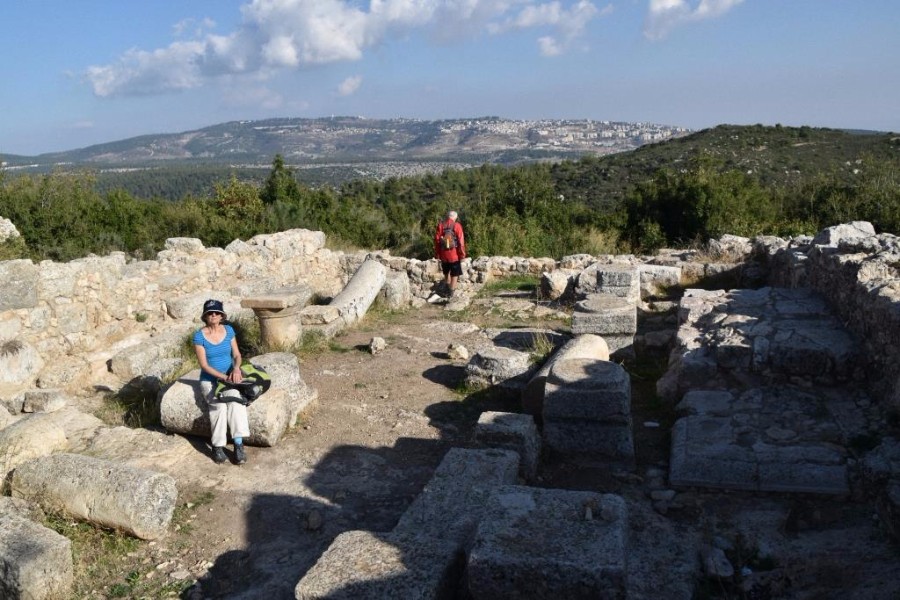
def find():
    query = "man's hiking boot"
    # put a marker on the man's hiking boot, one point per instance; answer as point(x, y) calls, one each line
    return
point(240, 457)
point(218, 454)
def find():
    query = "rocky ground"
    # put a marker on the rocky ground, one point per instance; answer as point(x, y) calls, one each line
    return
point(382, 424)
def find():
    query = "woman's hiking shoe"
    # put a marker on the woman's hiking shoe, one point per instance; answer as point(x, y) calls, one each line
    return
point(240, 457)
point(218, 454)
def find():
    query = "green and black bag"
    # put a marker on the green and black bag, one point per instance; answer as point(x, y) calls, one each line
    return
point(255, 383)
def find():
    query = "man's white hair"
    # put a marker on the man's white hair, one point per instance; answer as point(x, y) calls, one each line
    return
point(451, 214)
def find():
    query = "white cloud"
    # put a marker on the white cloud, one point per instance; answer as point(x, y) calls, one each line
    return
point(349, 85)
point(290, 34)
point(665, 15)
point(568, 23)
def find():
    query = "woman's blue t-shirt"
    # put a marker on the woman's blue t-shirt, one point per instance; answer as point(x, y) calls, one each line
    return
point(217, 355)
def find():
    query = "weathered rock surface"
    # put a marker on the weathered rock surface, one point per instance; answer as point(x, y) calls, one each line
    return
point(138, 501)
point(35, 562)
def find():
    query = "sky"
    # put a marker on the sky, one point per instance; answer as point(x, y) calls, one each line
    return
point(93, 71)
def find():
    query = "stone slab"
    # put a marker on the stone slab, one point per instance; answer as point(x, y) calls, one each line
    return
point(450, 505)
point(362, 565)
point(770, 439)
point(550, 544)
point(600, 315)
point(280, 299)
point(35, 562)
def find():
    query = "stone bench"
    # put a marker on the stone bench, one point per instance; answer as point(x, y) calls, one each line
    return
point(137, 501)
point(512, 558)
point(278, 314)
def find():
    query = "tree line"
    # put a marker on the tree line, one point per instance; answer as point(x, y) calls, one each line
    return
point(546, 209)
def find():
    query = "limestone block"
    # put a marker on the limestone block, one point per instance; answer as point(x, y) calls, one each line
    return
point(5, 417)
point(396, 291)
point(280, 299)
point(19, 364)
point(575, 437)
point(140, 360)
point(831, 236)
point(8, 230)
point(659, 281)
point(581, 346)
point(504, 367)
point(290, 244)
point(110, 494)
point(558, 284)
point(621, 281)
point(450, 505)
point(184, 244)
point(30, 437)
point(514, 432)
point(587, 559)
point(20, 287)
point(182, 409)
point(57, 280)
point(284, 369)
point(71, 317)
point(35, 562)
point(601, 315)
point(43, 401)
point(579, 388)
point(362, 565)
point(65, 372)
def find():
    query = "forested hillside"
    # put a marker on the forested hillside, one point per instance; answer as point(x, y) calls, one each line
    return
point(740, 180)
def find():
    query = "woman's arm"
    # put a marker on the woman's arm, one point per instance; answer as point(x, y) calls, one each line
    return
point(236, 376)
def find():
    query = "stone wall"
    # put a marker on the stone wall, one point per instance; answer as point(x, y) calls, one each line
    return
point(858, 272)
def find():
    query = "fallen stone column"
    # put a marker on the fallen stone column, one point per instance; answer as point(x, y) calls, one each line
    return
point(182, 409)
point(360, 292)
point(35, 562)
point(137, 501)
point(582, 346)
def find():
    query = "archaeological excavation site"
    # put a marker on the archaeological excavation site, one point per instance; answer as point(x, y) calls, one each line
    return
point(721, 422)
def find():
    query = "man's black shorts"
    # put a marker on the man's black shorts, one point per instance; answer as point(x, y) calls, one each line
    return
point(454, 269)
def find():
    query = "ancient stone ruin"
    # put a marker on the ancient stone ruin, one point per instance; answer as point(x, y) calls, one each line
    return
point(783, 378)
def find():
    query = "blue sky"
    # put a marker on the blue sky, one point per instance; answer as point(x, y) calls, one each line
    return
point(93, 71)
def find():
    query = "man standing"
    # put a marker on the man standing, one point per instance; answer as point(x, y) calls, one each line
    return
point(450, 249)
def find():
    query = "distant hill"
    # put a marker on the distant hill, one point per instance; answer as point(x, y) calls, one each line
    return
point(774, 155)
point(360, 140)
